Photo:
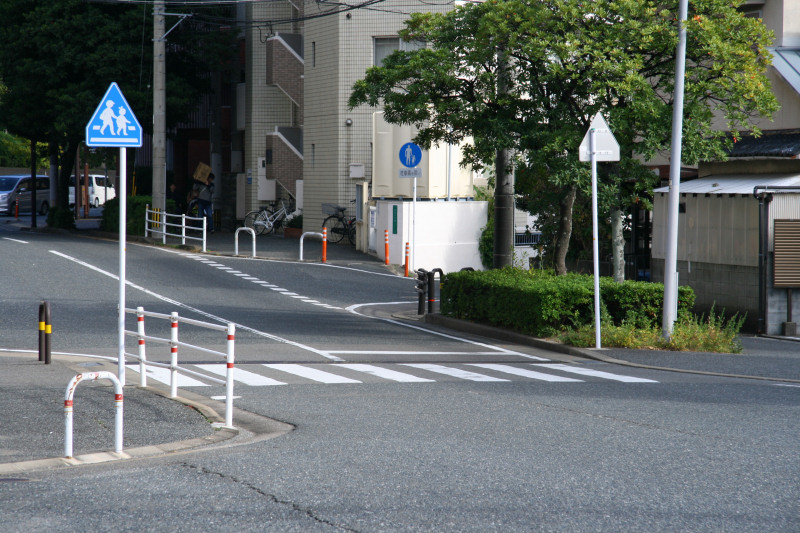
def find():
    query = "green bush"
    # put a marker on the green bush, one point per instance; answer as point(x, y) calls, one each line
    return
point(539, 303)
point(135, 213)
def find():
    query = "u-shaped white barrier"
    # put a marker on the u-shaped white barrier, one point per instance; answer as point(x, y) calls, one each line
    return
point(73, 383)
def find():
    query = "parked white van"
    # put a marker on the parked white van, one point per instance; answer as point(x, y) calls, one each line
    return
point(101, 189)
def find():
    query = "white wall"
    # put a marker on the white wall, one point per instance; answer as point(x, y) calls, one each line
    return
point(447, 233)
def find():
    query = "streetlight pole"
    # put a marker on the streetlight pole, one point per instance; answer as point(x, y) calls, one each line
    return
point(670, 310)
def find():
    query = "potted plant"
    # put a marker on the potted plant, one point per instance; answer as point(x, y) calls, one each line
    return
point(294, 227)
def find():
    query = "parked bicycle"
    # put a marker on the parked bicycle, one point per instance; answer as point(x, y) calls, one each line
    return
point(266, 219)
point(337, 224)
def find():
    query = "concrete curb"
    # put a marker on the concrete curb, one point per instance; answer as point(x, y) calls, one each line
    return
point(249, 428)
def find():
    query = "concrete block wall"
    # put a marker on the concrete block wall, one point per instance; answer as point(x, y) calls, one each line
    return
point(733, 288)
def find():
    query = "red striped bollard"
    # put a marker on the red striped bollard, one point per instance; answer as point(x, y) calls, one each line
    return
point(324, 244)
point(407, 252)
point(386, 245)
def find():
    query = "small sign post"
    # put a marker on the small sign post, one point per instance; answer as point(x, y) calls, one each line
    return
point(410, 157)
point(598, 144)
point(113, 124)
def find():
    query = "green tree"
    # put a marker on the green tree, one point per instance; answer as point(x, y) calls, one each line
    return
point(58, 59)
point(565, 60)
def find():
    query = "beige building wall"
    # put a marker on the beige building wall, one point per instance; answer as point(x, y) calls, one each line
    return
point(338, 50)
point(266, 106)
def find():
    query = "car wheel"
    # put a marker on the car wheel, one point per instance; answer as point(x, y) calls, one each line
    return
point(97, 202)
point(44, 208)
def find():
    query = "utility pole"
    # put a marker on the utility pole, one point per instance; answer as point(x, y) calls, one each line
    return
point(670, 310)
point(159, 108)
point(504, 187)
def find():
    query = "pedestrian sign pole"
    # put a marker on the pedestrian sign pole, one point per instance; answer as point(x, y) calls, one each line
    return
point(410, 157)
point(114, 124)
point(598, 144)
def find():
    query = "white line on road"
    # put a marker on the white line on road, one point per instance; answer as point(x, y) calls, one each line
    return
point(311, 373)
point(386, 373)
point(523, 372)
point(496, 349)
point(248, 378)
point(16, 240)
point(596, 373)
point(206, 314)
point(454, 372)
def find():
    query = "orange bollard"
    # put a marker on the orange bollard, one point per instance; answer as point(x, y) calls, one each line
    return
point(407, 259)
point(386, 245)
point(324, 244)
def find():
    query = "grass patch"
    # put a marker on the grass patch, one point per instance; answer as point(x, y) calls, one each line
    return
point(712, 333)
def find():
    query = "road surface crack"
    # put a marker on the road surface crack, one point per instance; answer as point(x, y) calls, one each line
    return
point(271, 497)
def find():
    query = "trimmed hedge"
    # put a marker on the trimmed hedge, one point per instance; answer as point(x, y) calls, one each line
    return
point(135, 207)
point(541, 304)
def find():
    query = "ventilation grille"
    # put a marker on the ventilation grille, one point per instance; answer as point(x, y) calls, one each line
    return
point(787, 254)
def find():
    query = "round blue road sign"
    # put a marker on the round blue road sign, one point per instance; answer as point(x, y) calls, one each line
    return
point(410, 155)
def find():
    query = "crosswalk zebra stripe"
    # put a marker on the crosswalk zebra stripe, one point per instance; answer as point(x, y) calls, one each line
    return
point(386, 373)
point(524, 372)
point(596, 373)
point(310, 373)
point(162, 375)
point(454, 372)
point(243, 376)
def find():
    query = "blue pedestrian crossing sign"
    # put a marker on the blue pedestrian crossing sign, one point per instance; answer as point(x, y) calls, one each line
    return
point(113, 122)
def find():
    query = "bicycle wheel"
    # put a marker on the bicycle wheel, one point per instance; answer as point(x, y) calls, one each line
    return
point(264, 222)
point(351, 232)
point(335, 228)
point(249, 219)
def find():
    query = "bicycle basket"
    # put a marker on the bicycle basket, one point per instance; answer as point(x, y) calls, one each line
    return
point(332, 209)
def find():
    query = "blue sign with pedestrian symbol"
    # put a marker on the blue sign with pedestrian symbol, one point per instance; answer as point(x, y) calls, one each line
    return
point(410, 155)
point(113, 122)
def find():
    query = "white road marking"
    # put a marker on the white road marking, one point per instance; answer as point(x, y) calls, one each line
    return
point(595, 373)
point(311, 373)
point(206, 314)
point(523, 372)
point(243, 376)
point(386, 373)
point(454, 372)
point(16, 240)
point(162, 375)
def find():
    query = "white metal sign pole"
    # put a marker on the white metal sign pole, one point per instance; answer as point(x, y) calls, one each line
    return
point(414, 226)
point(123, 164)
point(595, 238)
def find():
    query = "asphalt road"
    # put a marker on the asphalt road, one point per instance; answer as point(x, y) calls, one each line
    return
point(680, 452)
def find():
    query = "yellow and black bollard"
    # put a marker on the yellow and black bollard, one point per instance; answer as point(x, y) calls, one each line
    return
point(44, 332)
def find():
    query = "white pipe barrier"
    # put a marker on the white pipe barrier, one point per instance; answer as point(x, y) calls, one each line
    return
point(73, 383)
point(160, 219)
point(303, 236)
point(236, 240)
point(174, 343)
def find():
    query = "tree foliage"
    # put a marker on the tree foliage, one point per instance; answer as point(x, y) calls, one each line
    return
point(58, 58)
point(566, 60)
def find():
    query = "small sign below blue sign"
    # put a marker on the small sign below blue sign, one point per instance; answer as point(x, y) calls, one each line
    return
point(410, 155)
point(113, 122)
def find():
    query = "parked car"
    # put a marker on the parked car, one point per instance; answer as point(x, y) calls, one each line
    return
point(100, 189)
point(16, 190)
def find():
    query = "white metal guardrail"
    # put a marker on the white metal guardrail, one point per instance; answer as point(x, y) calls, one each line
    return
point(174, 343)
point(157, 222)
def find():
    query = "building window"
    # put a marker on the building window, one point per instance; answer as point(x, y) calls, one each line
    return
point(383, 46)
